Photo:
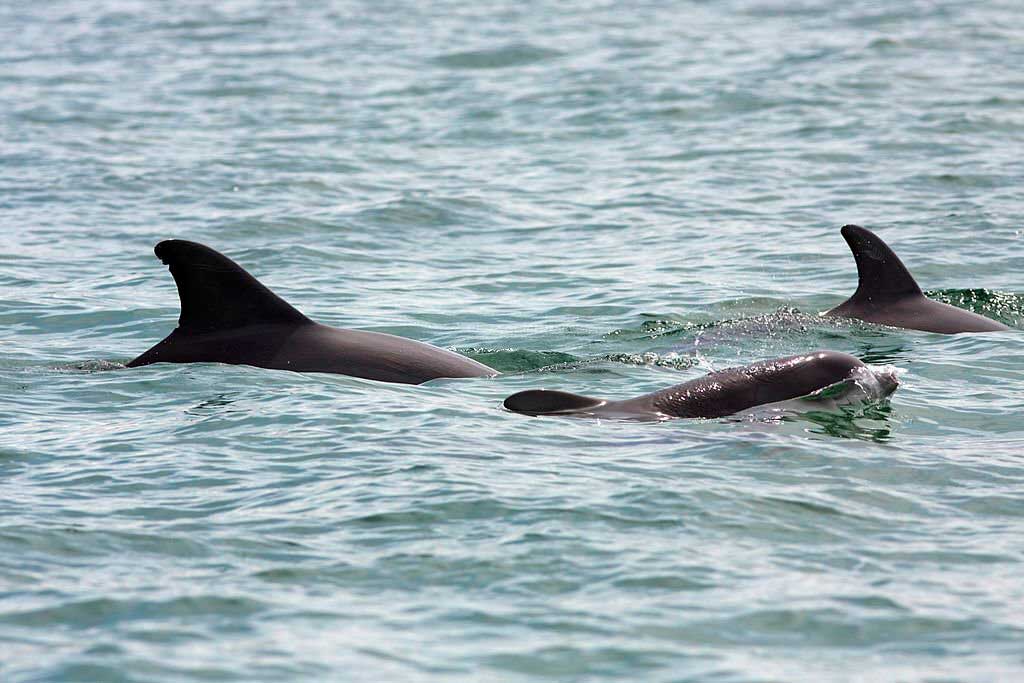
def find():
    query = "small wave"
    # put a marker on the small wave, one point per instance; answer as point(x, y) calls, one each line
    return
point(423, 212)
point(521, 360)
point(499, 58)
point(854, 411)
point(1005, 307)
point(671, 359)
point(90, 366)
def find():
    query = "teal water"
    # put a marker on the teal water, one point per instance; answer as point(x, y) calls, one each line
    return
point(605, 198)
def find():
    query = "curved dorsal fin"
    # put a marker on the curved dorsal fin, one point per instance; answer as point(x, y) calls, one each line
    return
point(544, 402)
point(882, 276)
point(216, 293)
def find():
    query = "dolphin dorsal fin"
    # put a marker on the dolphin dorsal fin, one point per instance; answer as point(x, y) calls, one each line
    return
point(881, 275)
point(218, 294)
point(544, 402)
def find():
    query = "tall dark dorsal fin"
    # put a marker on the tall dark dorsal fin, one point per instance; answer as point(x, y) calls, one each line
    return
point(218, 294)
point(544, 402)
point(882, 276)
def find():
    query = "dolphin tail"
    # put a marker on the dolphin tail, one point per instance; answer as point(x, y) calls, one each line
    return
point(882, 277)
point(216, 294)
point(544, 402)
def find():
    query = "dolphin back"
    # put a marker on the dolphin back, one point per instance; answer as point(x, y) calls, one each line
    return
point(818, 376)
point(888, 295)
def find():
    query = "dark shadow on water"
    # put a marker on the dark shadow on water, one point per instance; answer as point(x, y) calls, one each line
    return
point(865, 422)
point(218, 405)
point(882, 354)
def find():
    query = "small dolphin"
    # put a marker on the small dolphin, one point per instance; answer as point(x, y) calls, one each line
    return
point(227, 316)
point(887, 294)
point(820, 375)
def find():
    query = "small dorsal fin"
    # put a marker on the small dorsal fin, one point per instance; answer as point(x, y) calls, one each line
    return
point(216, 293)
point(544, 402)
point(882, 276)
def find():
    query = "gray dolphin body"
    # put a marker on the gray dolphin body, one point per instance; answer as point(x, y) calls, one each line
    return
point(821, 375)
point(887, 294)
point(227, 316)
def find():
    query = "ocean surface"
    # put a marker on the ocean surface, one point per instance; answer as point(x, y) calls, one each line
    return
point(601, 197)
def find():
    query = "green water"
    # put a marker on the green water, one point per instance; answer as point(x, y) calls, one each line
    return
point(605, 198)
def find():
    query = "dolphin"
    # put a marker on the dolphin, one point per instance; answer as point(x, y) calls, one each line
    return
point(887, 294)
point(228, 316)
point(828, 376)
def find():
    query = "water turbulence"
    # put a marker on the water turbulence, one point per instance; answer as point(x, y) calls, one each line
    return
point(1006, 307)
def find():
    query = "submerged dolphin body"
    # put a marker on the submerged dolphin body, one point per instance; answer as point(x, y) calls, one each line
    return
point(227, 316)
point(828, 376)
point(887, 294)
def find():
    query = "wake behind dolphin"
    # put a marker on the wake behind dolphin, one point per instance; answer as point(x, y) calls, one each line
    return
point(826, 375)
point(228, 316)
point(887, 293)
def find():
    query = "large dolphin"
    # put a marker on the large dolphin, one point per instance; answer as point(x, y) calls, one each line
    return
point(227, 316)
point(887, 294)
point(828, 376)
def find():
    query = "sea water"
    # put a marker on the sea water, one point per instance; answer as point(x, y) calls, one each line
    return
point(599, 197)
